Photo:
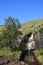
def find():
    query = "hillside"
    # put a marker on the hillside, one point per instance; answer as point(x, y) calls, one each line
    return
point(26, 27)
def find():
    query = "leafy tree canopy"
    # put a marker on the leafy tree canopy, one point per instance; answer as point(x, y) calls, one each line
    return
point(11, 32)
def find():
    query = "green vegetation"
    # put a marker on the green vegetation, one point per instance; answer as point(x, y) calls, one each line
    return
point(7, 52)
point(39, 55)
point(27, 27)
point(9, 35)
point(9, 32)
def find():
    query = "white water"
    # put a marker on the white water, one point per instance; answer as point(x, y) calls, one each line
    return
point(31, 43)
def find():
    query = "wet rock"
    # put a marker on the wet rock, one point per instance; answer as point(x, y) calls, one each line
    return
point(29, 58)
point(22, 63)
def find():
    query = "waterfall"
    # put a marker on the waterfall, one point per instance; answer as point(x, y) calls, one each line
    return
point(31, 42)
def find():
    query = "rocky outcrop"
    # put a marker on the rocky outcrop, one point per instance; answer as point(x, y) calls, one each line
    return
point(28, 60)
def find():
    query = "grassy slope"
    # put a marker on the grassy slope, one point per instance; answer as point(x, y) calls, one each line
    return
point(26, 27)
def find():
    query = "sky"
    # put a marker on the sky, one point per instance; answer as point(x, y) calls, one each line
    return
point(24, 10)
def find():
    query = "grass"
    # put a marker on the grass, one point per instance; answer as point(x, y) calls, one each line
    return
point(40, 58)
point(8, 52)
point(17, 54)
point(39, 55)
point(5, 52)
point(26, 27)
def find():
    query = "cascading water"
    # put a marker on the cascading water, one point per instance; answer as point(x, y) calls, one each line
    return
point(31, 43)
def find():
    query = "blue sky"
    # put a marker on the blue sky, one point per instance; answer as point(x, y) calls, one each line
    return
point(24, 10)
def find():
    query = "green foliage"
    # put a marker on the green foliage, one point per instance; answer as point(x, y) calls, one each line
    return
point(30, 24)
point(10, 33)
point(12, 22)
point(17, 53)
point(39, 55)
point(6, 51)
point(41, 29)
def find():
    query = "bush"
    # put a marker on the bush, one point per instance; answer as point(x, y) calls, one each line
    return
point(7, 52)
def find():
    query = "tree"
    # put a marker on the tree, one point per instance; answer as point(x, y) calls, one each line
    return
point(11, 32)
